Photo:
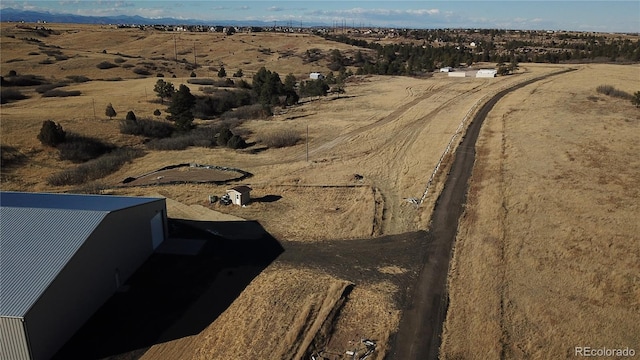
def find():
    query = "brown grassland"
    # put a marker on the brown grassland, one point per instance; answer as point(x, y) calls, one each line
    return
point(546, 256)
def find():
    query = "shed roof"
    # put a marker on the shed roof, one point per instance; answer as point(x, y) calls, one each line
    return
point(241, 189)
point(39, 234)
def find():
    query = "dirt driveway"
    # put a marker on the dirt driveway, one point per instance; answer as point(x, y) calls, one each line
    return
point(421, 325)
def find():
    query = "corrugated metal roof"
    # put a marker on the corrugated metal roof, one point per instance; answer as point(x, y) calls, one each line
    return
point(70, 201)
point(39, 233)
point(35, 244)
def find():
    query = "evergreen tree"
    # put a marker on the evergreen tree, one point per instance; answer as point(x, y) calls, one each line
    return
point(182, 102)
point(164, 89)
point(224, 136)
point(292, 96)
point(131, 116)
point(222, 72)
point(635, 100)
point(267, 87)
point(290, 82)
point(236, 142)
point(51, 134)
point(110, 111)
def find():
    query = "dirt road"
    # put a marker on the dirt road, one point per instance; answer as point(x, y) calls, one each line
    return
point(421, 325)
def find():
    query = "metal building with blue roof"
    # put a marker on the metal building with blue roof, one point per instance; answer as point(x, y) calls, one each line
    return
point(61, 257)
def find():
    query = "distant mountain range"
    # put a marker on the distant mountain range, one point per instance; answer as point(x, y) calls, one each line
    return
point(9, 14)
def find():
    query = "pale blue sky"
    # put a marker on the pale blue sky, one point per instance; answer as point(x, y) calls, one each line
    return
point(603, 16)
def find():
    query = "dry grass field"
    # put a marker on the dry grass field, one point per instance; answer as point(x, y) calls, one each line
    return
point(546, 257)
point(391, 131)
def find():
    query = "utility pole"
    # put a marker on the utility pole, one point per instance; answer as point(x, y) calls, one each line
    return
point(307, 142)
point(94, 109)
point(195, 59)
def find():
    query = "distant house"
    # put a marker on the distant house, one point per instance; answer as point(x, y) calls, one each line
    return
point(316, 76)
point(63, 256)
point(240, 195)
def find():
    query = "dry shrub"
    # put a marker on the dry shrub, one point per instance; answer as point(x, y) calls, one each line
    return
point(172, 143)
point(61, 93)
point(255, 111)
point(147, 127)
point(23, 80)
point(106, 65)
point(9, 94)
point(78, 148)
point(95, 169)
point(609, 90)
point(10, 155)
point(48, 87)
point(280, 138)
point(141, 71)
point(78, 78)
point(200, 136)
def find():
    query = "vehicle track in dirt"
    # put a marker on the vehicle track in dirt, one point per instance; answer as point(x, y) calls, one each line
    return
point(420, 328)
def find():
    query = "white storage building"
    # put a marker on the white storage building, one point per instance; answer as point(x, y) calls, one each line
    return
point(486, 73)
point(63, 256)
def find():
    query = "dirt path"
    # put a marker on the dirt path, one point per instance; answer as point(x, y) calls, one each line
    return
point(421, 325)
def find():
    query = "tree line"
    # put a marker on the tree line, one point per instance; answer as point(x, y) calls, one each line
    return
point(414, 59)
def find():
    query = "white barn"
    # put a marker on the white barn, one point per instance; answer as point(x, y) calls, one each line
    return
point(316, 76)
point(63, 256)
point(486, 73)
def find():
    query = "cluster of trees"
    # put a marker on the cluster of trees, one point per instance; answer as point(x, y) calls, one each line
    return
point(270, 90)
point(399, 59)
point(411, 59)
point(267, 89)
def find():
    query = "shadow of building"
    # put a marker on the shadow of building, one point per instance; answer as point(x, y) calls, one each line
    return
point(174, 295)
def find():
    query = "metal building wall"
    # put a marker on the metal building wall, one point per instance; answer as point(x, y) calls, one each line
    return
point(14, 344)
point(122, 242)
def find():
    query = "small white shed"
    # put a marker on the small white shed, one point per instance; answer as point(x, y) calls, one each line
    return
point(240, 195)
point(316, 76)
point(486, 73)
